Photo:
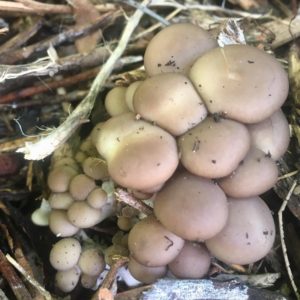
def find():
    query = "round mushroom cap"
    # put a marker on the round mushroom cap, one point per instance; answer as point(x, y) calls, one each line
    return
point(80, 186)
point(153, 245)
point(130, 93)
point(170, 101)
point(91, 261)
point(256, 174)
point(192, 207)
point(242, 82)
point(64, 254)
point(144, 160)
point(95, 168)
point(272, 135)
point(214, 148)
point(97, 198)
point(88, 282)
point(114, 251)
point(125, 223)
point(82, 215)
point(60, 225)
point(59, 179)
point(175, 48)
point(60, 200)
point(115, 102)
point(145, 274)
point(80, 156)
point(248, 235)
point(67, 280)
point(66, 162)
point(193, 261)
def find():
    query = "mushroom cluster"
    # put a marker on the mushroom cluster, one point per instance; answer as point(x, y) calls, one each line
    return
point(202, 133)
point(200, 136)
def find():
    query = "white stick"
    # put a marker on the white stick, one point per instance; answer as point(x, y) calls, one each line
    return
point(283, 245)
point(47, 145)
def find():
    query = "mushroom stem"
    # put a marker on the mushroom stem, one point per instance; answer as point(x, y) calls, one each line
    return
point(128, 198)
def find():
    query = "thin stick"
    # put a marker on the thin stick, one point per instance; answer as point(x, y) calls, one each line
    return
point(46, 145)
point(30, 279)
point(127, 198)
point(104, 292)
point(282, 241)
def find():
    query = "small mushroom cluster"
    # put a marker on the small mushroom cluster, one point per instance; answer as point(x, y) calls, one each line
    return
point(81, 196)
point(73, 263)
point(76, 200)
point(203, 132)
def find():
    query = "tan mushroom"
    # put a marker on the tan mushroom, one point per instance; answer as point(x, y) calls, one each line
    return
point(176, 47)
point(242, 82)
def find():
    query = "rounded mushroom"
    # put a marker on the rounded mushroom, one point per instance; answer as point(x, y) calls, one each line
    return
point(95, 168)
point(248, 235)
point(91, 261)
point(145, 274)
point(170, 101)
point(60, 200)
point(192, 207)
point(64, 254)
point(214, 148)
point(153, 245)
point(88, 282)
point(67, 280)
point(80, 186)
point(59, 179)
point(115, 103)
point(176, 47)
point(240, 81)
point(130, 93)
point(60, 225)
point(82, 215)
point(272, 135)
point(256, 174)
point(97, 198)
point(139, 155)
point(193, 261)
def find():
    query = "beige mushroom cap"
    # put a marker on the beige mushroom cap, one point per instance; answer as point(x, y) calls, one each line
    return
point(60, 225)
point(145, 274)
point(153, 245)
point(255, 174)
point(248, 235)
point(115, 102)
point(193, 261)
point(175, 48)
point(67, 280)
point(242, 82)
point(192, 207)
point(82, 215)
point(59, 178)
point(60, 200)
point(65, 253)
point(80, 186)
point(170, 101)
point(95, 168)
point(130, 94)
point(214, 148)
point(271, 135)
point(97, 198)
point(139, 155)
point(91, 261)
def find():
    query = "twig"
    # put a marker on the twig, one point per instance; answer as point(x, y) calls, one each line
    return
point(104, 292)
point(16, 284)
point(64, 36)
point(147, 11)
point(283, 245)
point(33, 7)
point(127, 198)
point(44, 147)
point(214, 8)
point(30, 279)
